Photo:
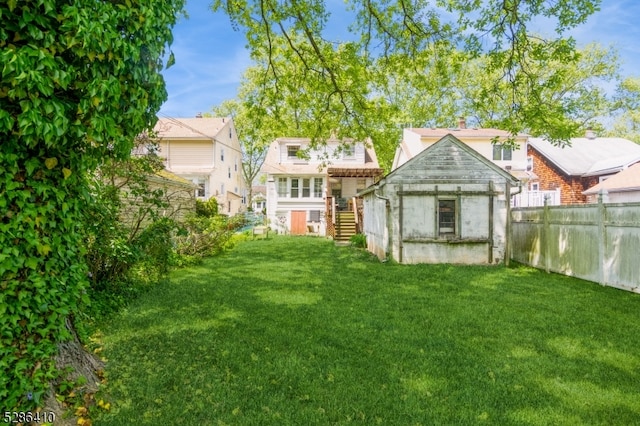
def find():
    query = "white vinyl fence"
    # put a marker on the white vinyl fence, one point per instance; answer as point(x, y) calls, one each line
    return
point(596, 242)
point(536, 198)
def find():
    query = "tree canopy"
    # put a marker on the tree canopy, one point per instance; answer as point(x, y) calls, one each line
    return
point(402, 63)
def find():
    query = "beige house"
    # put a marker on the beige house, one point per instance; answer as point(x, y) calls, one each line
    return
point(316, 193)
point(205, 151)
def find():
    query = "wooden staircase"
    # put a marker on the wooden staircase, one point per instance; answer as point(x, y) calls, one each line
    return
point(345, 226)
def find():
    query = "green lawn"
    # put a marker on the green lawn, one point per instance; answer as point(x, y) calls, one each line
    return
point(298, 331)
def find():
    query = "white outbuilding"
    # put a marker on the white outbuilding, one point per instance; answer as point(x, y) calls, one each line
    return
point(448, 204)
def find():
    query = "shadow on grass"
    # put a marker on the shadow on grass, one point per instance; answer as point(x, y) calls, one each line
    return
point(298, 331)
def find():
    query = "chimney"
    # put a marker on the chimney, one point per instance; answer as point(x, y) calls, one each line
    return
point(590, 134)
point(462, 123)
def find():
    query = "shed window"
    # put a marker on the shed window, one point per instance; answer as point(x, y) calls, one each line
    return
point(447, 218)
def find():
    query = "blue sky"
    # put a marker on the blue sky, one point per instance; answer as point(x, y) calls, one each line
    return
point(211, 56)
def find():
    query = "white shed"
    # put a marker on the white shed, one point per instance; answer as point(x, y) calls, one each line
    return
point(448, 204)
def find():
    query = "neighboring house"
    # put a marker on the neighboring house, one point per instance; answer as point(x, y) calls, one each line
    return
point(584, 163)
point(416, 140)
point(447, 204)
point(315, 193)
point(623, 187)
point(259, 202)
point(515, 161)
point(177, 193)
point(205, 151)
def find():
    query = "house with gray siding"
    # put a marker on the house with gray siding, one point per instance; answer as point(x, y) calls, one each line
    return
point(447, 204)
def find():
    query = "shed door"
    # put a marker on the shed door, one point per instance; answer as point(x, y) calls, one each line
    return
point(298, 222)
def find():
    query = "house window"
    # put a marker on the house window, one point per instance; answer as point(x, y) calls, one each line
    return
point(317, 187)
point(236, 166)
point(221, 154)
point(230, 133)
point(229, 172)
point(349, 152)
point(201, 190)
point(529, 163)
point(282, 187)
point(306, 188)
point(292, 151)
point(535, 186)
point(501, 152)
point(314, 216)
point(295, 187)
point(222, 188)
point(361, 184)
point(446, 218)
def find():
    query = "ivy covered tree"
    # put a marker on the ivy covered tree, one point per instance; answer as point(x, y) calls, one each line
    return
point(80, 79)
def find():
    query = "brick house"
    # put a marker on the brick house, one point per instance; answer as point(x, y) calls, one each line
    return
point(584, 163)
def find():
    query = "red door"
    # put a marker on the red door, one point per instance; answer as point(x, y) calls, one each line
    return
point(298, 222)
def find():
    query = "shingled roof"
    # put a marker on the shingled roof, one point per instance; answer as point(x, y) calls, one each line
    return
point(589, 156)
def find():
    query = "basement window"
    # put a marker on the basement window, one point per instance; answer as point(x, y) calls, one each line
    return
point(447, 218)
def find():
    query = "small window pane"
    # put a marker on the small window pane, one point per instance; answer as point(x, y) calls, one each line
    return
point(497, 151)
point(292, 151)
point(447, 217)
point(295, 188)
point(306, 189)
point(282, 187)
point(317, 187)
point(506, 154)
point(314, 216)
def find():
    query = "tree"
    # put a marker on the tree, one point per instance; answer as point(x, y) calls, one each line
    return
point(349, 82)
point(80, 79)
point(569, 96)
point(627, 106)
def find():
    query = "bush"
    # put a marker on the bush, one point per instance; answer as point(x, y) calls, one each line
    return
point(207, 208)
point(205, 236)
point(358, 240)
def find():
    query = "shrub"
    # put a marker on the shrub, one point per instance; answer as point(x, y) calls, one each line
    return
point(358, 240)
point(205, 236)
point(207, 208)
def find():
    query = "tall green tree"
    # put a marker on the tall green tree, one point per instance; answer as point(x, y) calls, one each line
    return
point(350, 82)
point(80, 79)
point(627, 108)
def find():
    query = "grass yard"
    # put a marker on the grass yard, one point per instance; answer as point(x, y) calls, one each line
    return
point(297, 331)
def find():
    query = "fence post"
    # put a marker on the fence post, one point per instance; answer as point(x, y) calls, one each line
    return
point(602, 235)
point(546, 238)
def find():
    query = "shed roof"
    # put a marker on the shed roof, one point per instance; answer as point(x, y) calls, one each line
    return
point(451, 160)
point(626, 180)
point(589, 156)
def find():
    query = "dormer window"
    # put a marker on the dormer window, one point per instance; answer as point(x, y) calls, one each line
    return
point(292, 151)
point(349, 152)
